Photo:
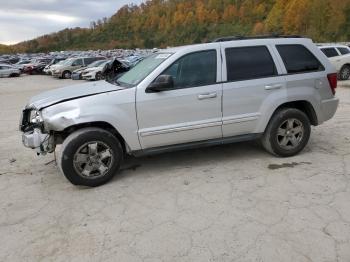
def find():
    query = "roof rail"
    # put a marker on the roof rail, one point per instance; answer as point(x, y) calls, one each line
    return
point(240, 37)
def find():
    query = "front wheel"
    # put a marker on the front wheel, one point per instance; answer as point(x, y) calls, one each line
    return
point(66, 75)
point(287, 133)
point(90, 157)
point(98, 76)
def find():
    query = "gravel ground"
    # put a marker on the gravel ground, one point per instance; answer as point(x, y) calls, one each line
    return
point(228, 203)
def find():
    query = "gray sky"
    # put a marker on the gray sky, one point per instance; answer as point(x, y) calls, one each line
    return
point(26, 19)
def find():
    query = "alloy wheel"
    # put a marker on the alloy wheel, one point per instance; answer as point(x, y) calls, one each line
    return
point(93, 160)
point(290, 134)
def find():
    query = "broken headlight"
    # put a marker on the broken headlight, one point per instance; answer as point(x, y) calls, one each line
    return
point(35, 117)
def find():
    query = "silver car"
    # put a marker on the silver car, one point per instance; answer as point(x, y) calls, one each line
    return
point(231, 90)
point(9, 71)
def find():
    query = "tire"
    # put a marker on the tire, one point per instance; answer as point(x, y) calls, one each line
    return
point(74, 157)
point(66, 74)
point(287, 133)
point(344, 73)
point(98, 76)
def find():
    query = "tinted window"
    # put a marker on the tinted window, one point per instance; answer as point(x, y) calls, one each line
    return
point(343, 50)
point(330, 52)
point(89, 60)
point(298, 59)
point(196, 69)
point(249, 63)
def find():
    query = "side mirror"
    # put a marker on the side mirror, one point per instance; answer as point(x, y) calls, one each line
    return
point(162, 83)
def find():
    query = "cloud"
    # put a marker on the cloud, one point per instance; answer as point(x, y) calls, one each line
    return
point(23, 20)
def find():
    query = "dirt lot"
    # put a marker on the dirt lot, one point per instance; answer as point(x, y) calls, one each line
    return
point(229, 203)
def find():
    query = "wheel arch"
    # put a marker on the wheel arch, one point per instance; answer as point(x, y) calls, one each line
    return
point(62, 135)
point(304, 106)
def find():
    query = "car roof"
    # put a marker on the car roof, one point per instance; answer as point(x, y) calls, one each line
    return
point(241, 42)
point(333, 46)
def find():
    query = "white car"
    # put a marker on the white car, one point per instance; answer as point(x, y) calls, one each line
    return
point(339, 55)
point(9, 71)
point(95, 71)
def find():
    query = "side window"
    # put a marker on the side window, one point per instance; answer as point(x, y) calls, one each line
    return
point(89, 60)
point(78, 62)
point(245, 63)
point(330, 52)
point(298, 59)
point(196, 69)
point(344, 51)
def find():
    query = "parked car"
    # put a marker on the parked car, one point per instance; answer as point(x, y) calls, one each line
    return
point(114, 69)
point(65, 69)
point(20, 64)
point(232, 90)
point(47, 69)
point(77, 74)
point(339, 55)
point(9, 71)
point(36, 66)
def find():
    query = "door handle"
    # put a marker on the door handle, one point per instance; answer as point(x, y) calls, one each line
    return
point(207, 96)
point(273, 87)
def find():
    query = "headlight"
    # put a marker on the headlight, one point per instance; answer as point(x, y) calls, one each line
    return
point(35, 117)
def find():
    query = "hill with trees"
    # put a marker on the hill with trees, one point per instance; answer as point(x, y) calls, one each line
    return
point(161, 23)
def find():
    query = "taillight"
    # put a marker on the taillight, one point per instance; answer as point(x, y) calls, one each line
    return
point(333, 81)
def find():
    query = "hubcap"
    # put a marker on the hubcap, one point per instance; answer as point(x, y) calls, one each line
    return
point(290, 134)
point(93, 160)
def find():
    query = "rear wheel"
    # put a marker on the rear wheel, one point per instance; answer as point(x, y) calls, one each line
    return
point(344, 73)
point(287, 133)
point(90, 157)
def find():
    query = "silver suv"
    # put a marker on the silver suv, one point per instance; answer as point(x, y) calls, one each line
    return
point(227, 91)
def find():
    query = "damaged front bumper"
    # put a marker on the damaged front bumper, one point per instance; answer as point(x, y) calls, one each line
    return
point(33, 136)
point(40, 142)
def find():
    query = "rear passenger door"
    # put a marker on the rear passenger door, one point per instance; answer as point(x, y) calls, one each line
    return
point(252, 83)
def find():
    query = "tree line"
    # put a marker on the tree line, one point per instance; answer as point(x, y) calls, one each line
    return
point(162, 23)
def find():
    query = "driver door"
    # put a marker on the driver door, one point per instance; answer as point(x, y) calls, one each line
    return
point(191, 111)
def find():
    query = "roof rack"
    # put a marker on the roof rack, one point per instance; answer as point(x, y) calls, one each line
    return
point(241, 37)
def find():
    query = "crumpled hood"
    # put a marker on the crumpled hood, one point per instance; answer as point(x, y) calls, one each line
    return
point(55, 96)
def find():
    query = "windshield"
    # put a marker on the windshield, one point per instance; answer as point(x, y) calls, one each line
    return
point(142, 70)
point(67, 62)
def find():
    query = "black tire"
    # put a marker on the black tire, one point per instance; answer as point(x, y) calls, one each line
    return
point(98, 76)
point(66, 74)
point(272, 140)
point(344, 73)
point(71, 146)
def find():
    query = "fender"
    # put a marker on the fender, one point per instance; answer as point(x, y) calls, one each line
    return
point(113, 108)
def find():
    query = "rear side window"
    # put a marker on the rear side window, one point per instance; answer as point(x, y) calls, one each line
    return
point(344, 51)
point(244, 63)
point(330, 52)
point(195, 69)
point(298, 59)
